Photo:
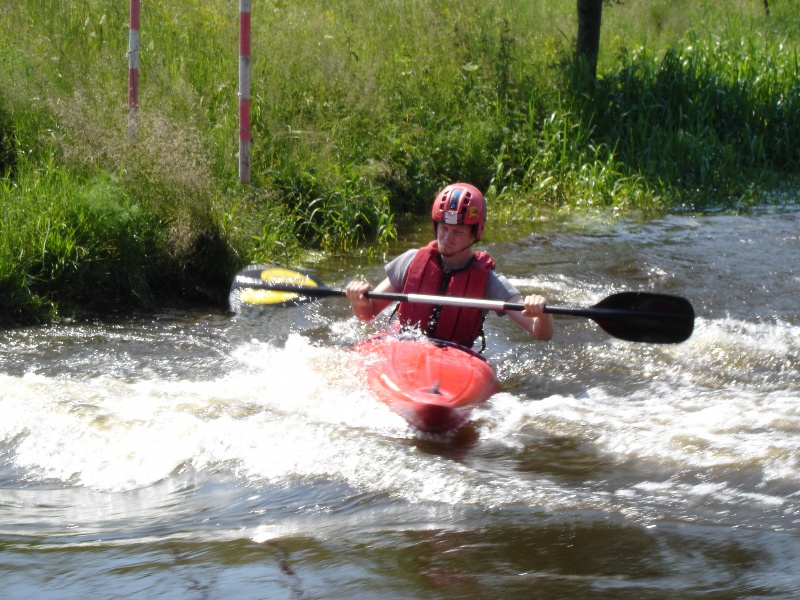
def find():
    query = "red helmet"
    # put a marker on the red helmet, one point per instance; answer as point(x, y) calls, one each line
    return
point(460, 204)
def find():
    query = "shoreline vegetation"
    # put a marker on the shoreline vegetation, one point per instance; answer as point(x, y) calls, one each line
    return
point(360, 112)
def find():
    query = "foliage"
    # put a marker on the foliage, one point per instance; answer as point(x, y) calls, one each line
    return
point(713, 114)
point(84, 244)
point(361, 111)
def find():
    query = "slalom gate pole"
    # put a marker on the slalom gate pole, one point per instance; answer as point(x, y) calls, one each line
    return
point(133, 73)
point(244, 91)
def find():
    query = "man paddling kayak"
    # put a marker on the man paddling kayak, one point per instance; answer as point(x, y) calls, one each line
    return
point(450, 266)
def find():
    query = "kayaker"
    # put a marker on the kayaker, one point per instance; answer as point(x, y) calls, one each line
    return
point(449, 265)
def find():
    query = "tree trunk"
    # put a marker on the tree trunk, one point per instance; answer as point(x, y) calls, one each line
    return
point(766, 6)
point(588, 45)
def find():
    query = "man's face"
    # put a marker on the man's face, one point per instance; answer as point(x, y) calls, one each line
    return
point(453, 239)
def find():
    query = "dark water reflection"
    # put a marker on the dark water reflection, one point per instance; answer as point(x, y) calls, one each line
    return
point(211, 456)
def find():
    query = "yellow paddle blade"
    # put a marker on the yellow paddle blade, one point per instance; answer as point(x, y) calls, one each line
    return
point(245, 289)
point(262, 297)
point(276, 275)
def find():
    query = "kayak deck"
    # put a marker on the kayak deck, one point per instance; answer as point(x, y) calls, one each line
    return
point(433, 384)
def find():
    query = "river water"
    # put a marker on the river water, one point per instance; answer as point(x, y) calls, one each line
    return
point(206, 455)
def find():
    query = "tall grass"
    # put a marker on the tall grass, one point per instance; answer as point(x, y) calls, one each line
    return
point(86, 244)
point(360, 111)
point(713, 114)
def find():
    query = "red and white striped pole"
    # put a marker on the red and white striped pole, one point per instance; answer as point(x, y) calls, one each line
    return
point(244, 91)
point(133, 72)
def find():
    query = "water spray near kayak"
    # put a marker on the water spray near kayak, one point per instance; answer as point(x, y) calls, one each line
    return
point(435, 384)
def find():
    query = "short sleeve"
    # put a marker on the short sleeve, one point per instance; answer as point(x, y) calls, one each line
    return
point(498, 287)
point(397, 269)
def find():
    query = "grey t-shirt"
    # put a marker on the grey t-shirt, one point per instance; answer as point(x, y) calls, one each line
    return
point(497, 286)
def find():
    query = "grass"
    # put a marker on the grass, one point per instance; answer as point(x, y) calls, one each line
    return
point(361, 111)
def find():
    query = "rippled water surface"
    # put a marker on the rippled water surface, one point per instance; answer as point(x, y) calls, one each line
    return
point(211, 456)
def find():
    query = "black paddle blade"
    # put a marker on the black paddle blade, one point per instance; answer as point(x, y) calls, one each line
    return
point(644, 317)
point(248, 287)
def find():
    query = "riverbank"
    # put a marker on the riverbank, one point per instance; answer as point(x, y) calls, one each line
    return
point(360, 112)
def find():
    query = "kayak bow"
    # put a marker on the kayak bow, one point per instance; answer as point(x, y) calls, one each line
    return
point(431, 383)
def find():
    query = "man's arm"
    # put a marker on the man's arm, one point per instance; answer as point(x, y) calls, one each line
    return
point(533, 319)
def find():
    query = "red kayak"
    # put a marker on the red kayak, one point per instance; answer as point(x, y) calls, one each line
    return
point(433, 384)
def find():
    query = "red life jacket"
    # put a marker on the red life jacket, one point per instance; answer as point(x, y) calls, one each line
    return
point(427, 276)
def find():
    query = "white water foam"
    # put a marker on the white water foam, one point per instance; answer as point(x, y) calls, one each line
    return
point(297, 413)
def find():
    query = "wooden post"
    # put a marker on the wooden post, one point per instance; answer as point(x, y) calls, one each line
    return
point(590, 14)
point(244, 91)
point(133, 73)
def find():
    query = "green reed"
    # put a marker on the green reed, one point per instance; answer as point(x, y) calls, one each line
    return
point(714, 114)
point(84, 244)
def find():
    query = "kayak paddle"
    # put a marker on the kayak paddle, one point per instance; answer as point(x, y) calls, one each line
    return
point(630, 316)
